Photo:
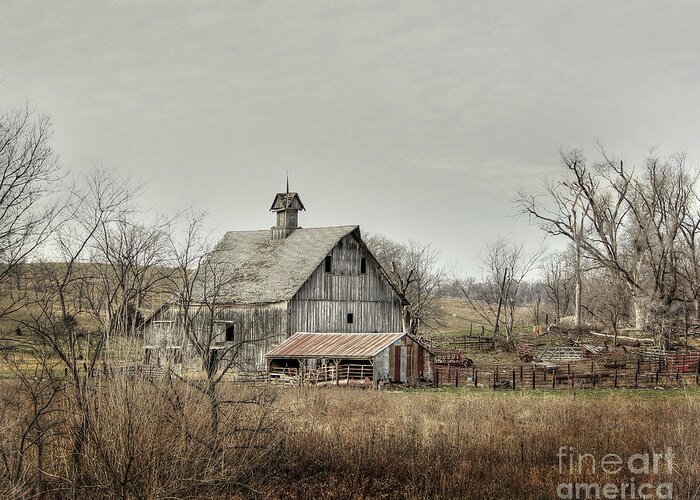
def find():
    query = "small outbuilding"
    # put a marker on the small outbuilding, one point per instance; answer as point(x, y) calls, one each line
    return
point(352, 359)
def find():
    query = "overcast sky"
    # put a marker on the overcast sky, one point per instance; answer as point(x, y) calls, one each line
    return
point(415, 119)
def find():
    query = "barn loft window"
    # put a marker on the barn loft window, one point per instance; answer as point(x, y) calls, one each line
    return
point(229, 333)
point(328, 263)
point(350, 318)
point(363, 265)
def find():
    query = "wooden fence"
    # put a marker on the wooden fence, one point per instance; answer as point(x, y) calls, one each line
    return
point(345, 374)
point(586, 375)
point(478, 342)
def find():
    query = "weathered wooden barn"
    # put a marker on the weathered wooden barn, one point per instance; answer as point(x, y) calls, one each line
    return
point(260, 287)
point(348, 358)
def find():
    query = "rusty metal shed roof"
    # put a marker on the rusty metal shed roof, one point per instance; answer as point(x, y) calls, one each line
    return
point(334, 345)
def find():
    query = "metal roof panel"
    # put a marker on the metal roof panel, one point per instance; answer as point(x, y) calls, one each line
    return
point(334, 345)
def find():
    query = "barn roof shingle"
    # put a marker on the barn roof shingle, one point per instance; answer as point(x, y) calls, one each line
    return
point(263, 270)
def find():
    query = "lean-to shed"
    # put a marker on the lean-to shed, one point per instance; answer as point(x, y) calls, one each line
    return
point(370, 357)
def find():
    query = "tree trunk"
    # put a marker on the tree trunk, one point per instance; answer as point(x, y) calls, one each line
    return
point(639, 305)
point(406, 320)
point(577, 289)
point(81, 433)
point(496, 326)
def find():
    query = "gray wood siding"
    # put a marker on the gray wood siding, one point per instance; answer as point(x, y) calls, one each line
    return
point(257, 328)
point(325, 299)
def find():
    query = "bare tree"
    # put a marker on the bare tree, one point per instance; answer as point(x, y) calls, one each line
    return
point(632, 224)
point(609, 301)
point(415, 270)
point(557, 281)
point(55, 316)
point(202, 277)
point(29, 171)
point(495, 295)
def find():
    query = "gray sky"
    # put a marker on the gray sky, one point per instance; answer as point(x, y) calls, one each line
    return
point(414, 119)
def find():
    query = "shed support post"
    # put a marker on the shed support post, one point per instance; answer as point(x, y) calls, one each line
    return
point(375, 378)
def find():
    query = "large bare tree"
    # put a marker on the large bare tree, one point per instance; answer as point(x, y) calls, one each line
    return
point(631, 223)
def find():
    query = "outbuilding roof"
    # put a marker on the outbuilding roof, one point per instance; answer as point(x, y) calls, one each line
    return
point(334, 345)
point(263, 270)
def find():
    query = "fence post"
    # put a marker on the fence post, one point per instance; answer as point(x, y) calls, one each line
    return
point(476, 377)
point(513, 379)
point(554, 379)
point(636, 378)
point(593, 374)
point(572, 379)
point(457, 377)
point(657, 377)
point(521, 373)
point(534, 372)
point(615, 374)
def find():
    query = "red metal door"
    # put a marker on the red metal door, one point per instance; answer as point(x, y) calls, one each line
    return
point(421, 361)
point(397, 363)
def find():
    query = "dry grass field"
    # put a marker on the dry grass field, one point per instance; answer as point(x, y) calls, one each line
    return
point(153, 440)
point(479, 445)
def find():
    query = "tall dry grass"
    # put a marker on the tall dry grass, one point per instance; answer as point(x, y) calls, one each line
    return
point(154, 440)
point(483, 445)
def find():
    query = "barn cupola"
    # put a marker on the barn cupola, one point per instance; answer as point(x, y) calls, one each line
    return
point(286, 207)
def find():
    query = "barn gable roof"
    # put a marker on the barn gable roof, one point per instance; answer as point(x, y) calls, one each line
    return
point(265, 270)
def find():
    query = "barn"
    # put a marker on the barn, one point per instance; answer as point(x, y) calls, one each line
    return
point(367, 358)
point(258, 288)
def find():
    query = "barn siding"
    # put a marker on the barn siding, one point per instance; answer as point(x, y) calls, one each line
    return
point(324, 301)
point(257, 328)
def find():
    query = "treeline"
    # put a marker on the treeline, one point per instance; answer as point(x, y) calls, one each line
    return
point(632, 257)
